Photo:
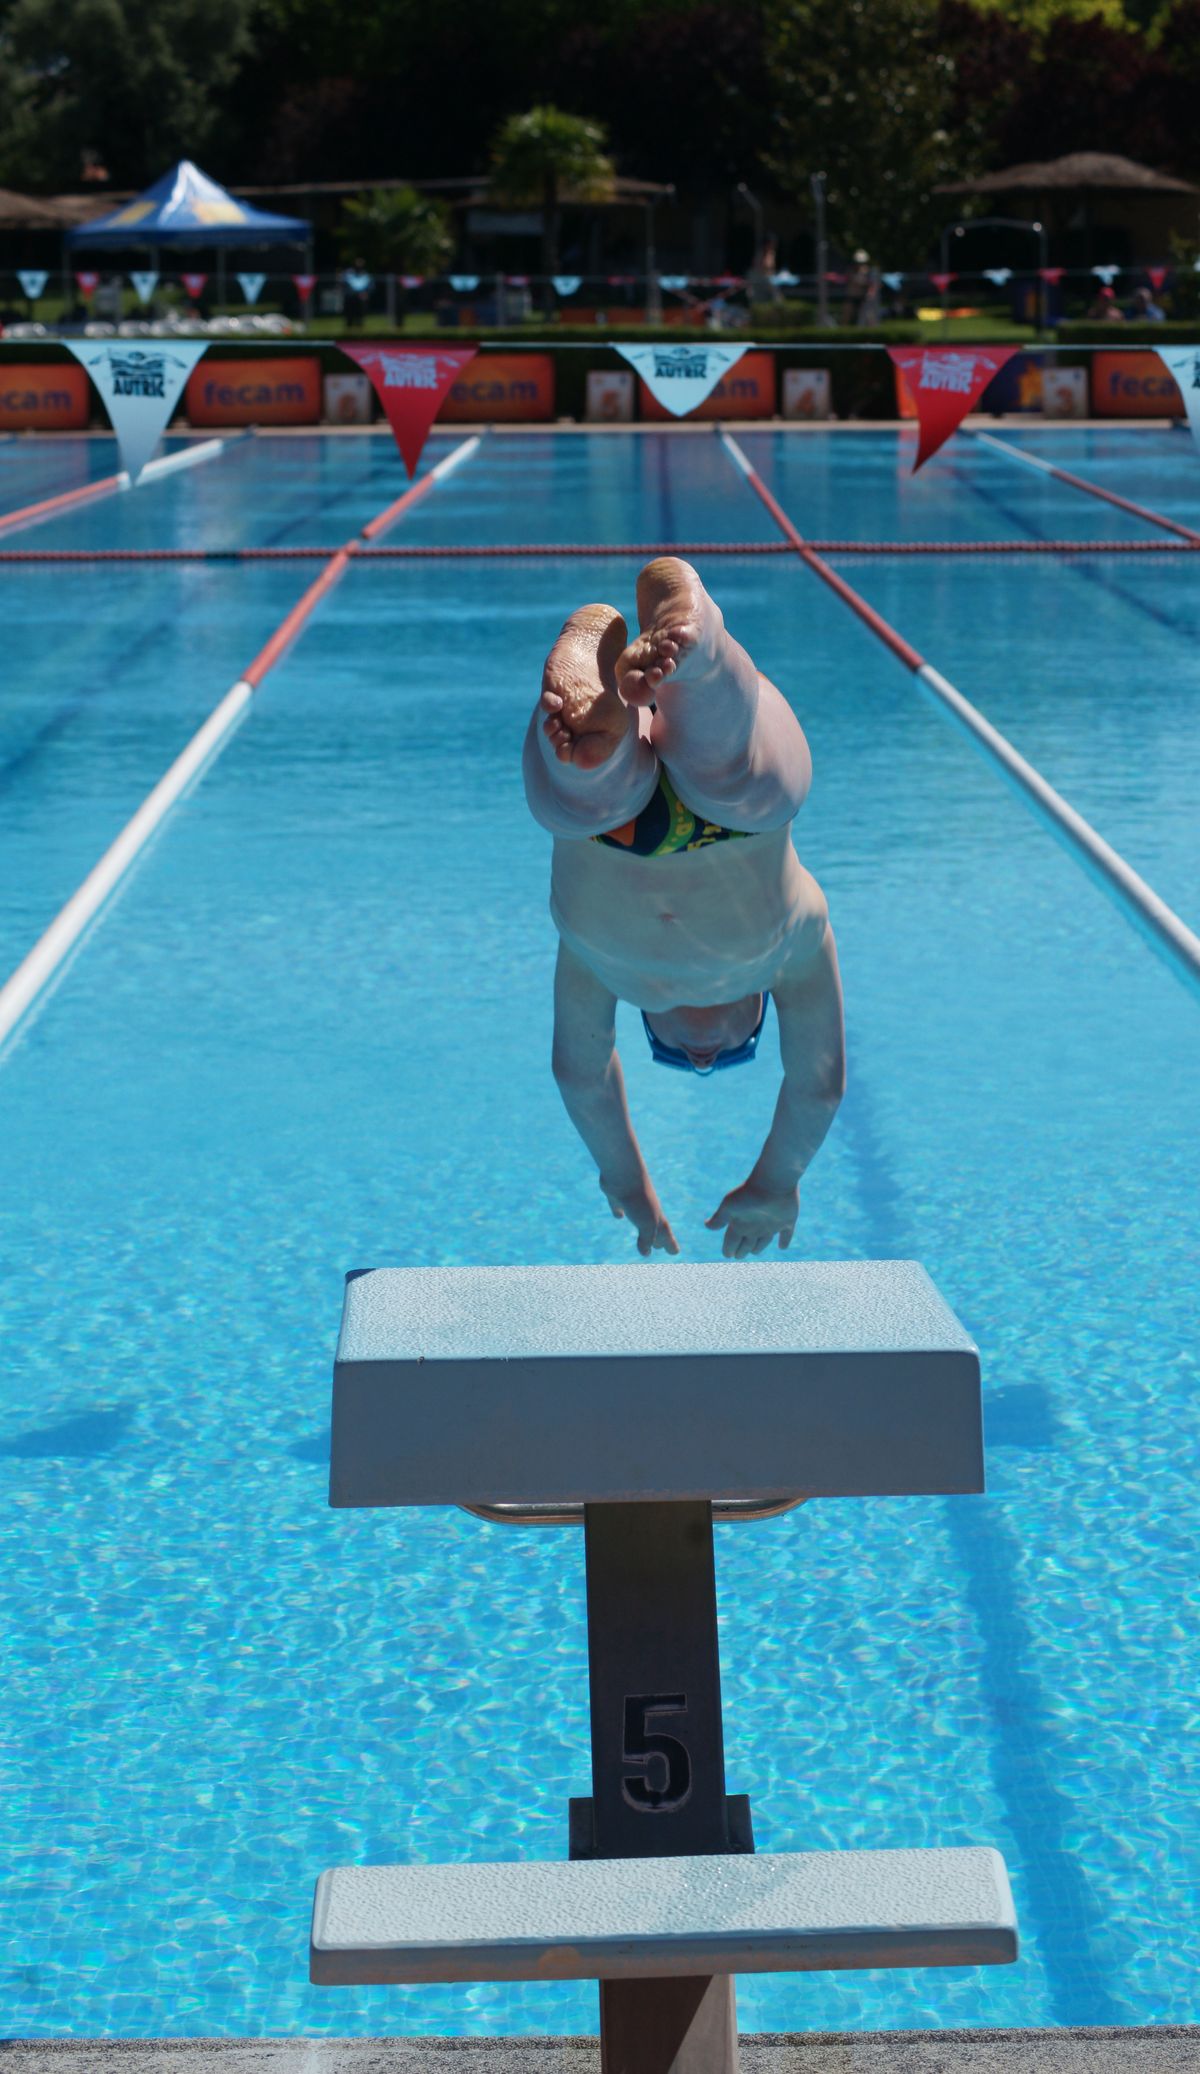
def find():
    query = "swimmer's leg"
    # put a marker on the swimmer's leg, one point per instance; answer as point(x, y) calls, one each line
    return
point(587, 761)
point(733, 748)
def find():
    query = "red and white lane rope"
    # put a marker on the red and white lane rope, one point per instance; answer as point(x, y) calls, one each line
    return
point(38, 968)
point(1093, 489)
point(634, 550)
point(1157, 923)
point(111, 485)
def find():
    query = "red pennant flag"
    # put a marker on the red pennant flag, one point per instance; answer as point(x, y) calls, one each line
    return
point(1158, 275)
point(304, 285)
point(1052, 274)
point(194, 283)
point(942, 281)
point(944, 382)
point(412, 280)
point(517, 280)
point(619, 280)
point(410, 382)
point(87, 284)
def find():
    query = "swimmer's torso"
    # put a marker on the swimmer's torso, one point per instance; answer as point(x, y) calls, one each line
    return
point(697, 927)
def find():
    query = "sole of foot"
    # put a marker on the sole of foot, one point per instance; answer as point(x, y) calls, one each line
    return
point(585, 716)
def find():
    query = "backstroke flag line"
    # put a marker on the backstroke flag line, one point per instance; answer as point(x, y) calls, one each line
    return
point(1184, 363)
point(144, 286)
point(410, 382)
point(33, 281)
point(681, 377)
point(140, 385)
point(944, 382)
point(251, 285)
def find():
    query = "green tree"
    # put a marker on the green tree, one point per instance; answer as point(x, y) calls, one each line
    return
point(546, 156)
point(140, 87)
point(863, 94)
point(395, 229)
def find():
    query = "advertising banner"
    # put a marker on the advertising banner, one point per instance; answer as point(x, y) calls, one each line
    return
point(680, 378)
point(609, 396)
point(746, 391)
point(944, 382)
point(33, 280)
point(140, 385)
point(1134, 385)
point(347, 399)
point(410, 382)
point(806, 392)
point(258, 391)
point(46, 398)
point(1183, 364)
point(251, 285)
point(502, 388)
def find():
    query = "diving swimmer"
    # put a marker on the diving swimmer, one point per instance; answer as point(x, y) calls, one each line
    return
point(668, 771)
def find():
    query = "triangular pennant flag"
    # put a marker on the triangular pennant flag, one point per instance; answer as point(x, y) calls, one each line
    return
point(1052, 275)
point(251, 285)
point(194, 283)
point(680, 377)
point(516, 280)
point(893, 281)
point(1158, 275)
point(1001, 275)
point(304, 285)
point(33, 280)
point(780, 280)
point(1107, 274)
point(944, 382)
point(673, 283)
point(144, 286)
point(87, 283)
point(942, 281)
point(464, 284)
point(410, 382)
point(619, 280)
point(412, 280)
point(729, 280)
point(1184, 363)
point(140, 385)
point(566, 284)
point(357, 282)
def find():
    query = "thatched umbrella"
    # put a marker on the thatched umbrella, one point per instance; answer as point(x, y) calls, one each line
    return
point(1075, 178)
point(25, 212)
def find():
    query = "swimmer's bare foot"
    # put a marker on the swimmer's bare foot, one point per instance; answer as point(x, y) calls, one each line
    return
point(682, 631)
point(585, 718)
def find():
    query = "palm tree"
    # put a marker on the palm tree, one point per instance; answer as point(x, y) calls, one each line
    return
point(396, 230)
point(544, 155)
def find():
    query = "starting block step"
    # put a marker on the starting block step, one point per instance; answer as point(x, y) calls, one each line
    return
point(728, 1380)
point(652, 1918)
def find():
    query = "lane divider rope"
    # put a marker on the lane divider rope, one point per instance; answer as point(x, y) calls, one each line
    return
point(26, 985)
point(1155, 922)
point(110, 485)
point(1093, 489)
point(544, 550)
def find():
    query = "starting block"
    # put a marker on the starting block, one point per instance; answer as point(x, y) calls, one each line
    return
point(644, 1402)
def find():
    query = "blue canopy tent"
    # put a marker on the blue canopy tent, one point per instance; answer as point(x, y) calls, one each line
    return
point(187, 209)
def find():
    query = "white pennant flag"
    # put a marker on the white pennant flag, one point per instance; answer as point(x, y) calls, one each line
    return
point(566, 284)
point(33, 281)
point(673, 282)
point(681, 377)
point(785, 279)
point(999, 274)
point(140, 385)
point(144, 286)
point(251, 285)
point(358, 283)
point(1107, 274)
point(1184, 363)
point(893, 281)
point(464, 284)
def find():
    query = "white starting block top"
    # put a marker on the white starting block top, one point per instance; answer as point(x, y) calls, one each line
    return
point(604, 1384)
point(608, 1919)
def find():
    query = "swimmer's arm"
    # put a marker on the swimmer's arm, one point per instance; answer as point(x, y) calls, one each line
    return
point(808, 1002)
point(588, 1073)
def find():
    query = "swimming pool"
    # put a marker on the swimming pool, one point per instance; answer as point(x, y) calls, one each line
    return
point(312, 1033)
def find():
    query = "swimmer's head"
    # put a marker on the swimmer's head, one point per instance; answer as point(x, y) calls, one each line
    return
point(705, 1040)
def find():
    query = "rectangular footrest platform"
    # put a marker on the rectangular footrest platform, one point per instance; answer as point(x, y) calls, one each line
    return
point(611, 1919)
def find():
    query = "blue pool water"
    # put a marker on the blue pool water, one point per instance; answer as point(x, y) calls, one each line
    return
point(313, 1032)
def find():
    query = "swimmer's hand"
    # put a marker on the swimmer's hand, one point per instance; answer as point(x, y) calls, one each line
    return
point(640, 1204)
point(752, 1215)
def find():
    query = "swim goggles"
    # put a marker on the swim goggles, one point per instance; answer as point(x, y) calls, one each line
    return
point(737, 1055)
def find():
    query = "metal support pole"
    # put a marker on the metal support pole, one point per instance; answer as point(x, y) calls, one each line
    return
point(658, 1759)
point(817, 183)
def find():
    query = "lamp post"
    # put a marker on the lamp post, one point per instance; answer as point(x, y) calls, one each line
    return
point(816, 182)
point(753, 203)
point(653, 291)
point(959, 230)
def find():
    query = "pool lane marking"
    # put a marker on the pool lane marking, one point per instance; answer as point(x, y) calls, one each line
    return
point(1094, 489)
point(109, 485)
point(1155, 922)
point(23, 988)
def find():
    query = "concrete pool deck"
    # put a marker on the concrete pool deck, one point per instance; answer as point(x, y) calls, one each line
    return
point(1151, 2049)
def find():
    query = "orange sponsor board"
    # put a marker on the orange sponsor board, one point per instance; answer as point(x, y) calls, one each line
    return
point(1134, 385)
point(48, 398)
point(747, 391)
point(264, 391)
point(501, 386)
